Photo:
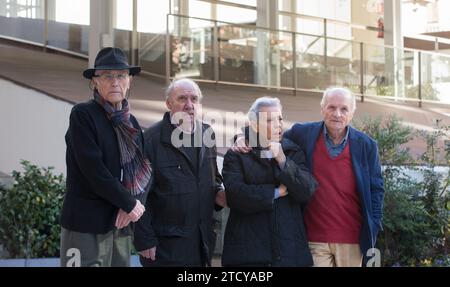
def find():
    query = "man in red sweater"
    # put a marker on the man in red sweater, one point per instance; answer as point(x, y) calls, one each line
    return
point(344, 215)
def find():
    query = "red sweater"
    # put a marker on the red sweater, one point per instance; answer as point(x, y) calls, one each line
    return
point(334, 213)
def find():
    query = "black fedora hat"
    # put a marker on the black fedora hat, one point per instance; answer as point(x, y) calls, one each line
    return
point(111, 59)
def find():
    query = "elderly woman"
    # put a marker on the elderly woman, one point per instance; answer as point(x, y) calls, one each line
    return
point(107, 173)
point(266, 190)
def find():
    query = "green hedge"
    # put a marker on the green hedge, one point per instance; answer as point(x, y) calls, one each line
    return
point(416, 213)
point(29, 213)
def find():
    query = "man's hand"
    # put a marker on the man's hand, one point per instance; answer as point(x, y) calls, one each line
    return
point(122, 220)
point(283, 190)
point(149, 253)
point(221, 198)
point(278, 153)
point(240, 146)
point(137, 211)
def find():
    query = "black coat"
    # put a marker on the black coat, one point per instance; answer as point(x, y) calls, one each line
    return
point(94, 192)
point(179, 210)
point(262, 231)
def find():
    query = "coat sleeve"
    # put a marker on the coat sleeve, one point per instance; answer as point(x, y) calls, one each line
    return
point(376, 185)
point(293, 134)
point(218, 180)
point(246, 198)
point(88, 156)
point(144, 234)
point(300, 183)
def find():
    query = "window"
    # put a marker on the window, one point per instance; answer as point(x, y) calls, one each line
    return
point(152, 16)
point(73, 11)
point(124, 15)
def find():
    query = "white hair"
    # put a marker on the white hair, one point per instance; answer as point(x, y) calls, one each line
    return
point(260, 103)
point(338, 91)
point(171, 88)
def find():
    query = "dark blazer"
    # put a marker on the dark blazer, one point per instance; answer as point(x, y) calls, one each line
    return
point(262, 231)
point(94, 192)
point(367, 170)
point(179, 211)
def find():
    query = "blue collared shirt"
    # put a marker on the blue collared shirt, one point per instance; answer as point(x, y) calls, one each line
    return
point(333, 149)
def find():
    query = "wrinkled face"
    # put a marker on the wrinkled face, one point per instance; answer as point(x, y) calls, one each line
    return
point(112, 85)
point(270, 123)
point(184, 102)
point(337, 112)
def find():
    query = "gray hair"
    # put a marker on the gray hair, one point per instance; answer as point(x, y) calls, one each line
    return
point(338, 91)
point(255, 109)
point(171, 88)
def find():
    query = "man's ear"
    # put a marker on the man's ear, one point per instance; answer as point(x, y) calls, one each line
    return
point(92, 84)
point(168, 104)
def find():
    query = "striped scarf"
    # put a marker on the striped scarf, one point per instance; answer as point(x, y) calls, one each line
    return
point(135, 167)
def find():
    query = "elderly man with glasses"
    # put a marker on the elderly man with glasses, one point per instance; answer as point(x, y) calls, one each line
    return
point(107, 172)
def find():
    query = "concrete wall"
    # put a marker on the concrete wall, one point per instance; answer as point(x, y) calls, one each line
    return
point(32, 128)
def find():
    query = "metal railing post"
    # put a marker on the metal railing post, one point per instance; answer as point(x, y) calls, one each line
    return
point(420, 79)
point(168, 58)
point(216, 52)
point(45, 25)
point(325, 44)
point(134, 46)
point(361, 71)
point(294, 62)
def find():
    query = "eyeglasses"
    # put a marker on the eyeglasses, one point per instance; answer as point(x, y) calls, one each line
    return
point(111, 77)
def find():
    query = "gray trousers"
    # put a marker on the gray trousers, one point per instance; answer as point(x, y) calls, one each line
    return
point(112, 249)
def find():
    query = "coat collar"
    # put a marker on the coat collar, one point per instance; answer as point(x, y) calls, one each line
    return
point(166, 137)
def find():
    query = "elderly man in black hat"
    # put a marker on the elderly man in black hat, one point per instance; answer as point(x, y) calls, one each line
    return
point(107, 172)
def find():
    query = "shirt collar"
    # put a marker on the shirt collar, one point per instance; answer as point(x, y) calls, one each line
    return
point(328, 138)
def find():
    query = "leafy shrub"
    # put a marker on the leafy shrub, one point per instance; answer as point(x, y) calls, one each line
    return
point(416, 213)
point(29, 224)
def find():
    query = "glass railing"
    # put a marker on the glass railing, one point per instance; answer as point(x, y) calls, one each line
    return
point(240, 54)
point(191, 49)
point(68, 36)
point(23, 22)
point(391, 73)
point(435, 75)
point(30, 21)
point(152, 53)
point(248, 55)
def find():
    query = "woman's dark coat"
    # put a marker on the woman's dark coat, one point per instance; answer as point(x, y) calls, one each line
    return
point(262, 231)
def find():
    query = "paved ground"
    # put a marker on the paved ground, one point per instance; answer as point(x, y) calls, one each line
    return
point(60, 76)
point(54, 262)
point(48, 262)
